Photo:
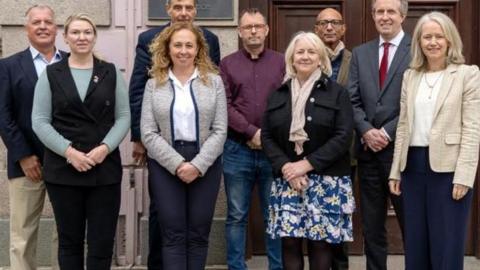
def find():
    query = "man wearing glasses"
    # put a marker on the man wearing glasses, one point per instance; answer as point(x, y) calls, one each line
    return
point(249, 75)
point(330, 28)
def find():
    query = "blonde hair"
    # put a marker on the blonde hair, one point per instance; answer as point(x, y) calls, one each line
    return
point(455, 46)
point(80, 17)
point(317, 43)
point(160, 51)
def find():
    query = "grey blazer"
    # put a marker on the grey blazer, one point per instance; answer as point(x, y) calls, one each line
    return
point(374, 107)
point(156, 123)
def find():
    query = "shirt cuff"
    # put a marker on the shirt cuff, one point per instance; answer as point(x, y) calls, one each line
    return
point(386, 134)
point(251, 130)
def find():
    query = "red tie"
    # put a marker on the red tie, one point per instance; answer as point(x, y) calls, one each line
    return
point(384, 64)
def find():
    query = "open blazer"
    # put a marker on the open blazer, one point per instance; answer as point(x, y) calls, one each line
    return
point(455, 132)
point(156, 124)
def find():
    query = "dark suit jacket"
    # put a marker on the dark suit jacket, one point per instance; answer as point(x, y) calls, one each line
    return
point(143, 63)
point(328, 123)
point(374, 107)
point(17, 83)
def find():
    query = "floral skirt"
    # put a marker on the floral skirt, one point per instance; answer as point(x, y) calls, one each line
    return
point(323, 211)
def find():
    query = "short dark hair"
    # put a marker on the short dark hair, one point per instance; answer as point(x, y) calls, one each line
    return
point(251, 11)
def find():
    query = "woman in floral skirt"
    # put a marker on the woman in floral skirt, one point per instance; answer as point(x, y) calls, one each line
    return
point(306, 133)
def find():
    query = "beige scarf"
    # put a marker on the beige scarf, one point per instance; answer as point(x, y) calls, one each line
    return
point(300, 95)
point(333, 54)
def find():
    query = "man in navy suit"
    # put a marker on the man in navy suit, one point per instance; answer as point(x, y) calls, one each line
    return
point(375, 80)
point(18, 75)
point(179, 11)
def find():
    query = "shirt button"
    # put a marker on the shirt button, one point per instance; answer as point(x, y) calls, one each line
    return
point(309, 118)
point(312, 99)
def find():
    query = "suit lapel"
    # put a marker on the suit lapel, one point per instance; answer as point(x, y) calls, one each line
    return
point(98, 74)
point(445, 88)
point(400, 56)
point(412, 90)
point(373, 59)
point(26, 62)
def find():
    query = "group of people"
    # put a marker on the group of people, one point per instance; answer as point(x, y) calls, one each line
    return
point(284, 123)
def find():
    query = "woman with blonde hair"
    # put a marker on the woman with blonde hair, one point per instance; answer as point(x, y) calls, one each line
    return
point(436, 146)
point(306, 133)
point(81, 114)
point(183, 127)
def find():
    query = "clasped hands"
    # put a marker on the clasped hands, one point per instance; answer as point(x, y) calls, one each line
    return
point(83, 162)
point(187, 172)
point(296, 174)
point(458, 191)
point(375, 139)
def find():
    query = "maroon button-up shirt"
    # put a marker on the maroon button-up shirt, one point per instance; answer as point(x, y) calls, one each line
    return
point(248, 84)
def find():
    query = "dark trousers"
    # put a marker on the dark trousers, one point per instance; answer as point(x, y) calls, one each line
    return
point(185, 211)
point(76, 208)
point(435, 223)
point(374, 194)
point(154, 261)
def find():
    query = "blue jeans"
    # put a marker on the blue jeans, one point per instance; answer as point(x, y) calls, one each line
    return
point(243, 168)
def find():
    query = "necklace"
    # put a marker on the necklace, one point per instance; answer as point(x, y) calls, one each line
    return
point(432, 85)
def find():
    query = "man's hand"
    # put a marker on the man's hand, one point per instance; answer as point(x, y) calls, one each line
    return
point(139, 153)
point(394, 186)
point(32, 168)
point(79, 160)
point(99, 153)
point(296, 169)
point(255, 142)
point(187, 172)
point(375, 139)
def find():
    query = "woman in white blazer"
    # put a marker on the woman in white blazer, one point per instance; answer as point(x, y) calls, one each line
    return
point(436, 150)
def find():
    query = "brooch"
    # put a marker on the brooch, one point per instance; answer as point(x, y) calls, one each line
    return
point(95, 79)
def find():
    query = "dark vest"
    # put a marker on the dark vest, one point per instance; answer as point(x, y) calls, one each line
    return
point(85, 124)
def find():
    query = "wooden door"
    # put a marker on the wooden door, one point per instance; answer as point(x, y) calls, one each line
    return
point(286, 17)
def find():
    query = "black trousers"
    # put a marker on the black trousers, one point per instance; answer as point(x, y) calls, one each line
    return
point(185, 211)
point(76, 208)
point(374, 195)
point(154, 260)
point(435, 223)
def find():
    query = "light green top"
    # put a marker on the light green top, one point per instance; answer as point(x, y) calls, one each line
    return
point(42, 111)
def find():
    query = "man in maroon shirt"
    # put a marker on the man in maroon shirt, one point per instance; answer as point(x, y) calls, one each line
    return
point(249, 75)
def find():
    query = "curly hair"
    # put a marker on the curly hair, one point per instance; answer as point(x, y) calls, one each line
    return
point(160, 51)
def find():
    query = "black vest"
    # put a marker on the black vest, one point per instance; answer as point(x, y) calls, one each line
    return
point(85, 124)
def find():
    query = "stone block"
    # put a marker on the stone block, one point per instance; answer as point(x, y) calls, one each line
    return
point(13, 12)
point(228, 39)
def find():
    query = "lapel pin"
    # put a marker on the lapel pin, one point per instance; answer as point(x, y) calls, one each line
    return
point(95, 79)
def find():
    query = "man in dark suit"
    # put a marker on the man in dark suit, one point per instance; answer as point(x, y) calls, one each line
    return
point(18, 75)
point(179, 11)
point(330, 28)
point(375, 80)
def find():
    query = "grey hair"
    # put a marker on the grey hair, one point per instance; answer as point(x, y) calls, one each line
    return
point(39, 6)
point(403, 6)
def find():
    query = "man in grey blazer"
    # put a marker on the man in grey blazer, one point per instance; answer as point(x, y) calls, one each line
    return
point(375, 80)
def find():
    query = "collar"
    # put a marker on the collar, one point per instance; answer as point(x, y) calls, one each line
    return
point(249, 56)
point(395, 41)
point(35, 53)
point(172, 77)
point(333, 54)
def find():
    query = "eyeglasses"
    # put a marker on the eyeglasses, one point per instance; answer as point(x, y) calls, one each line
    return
point(249, 27)
point(334, 23)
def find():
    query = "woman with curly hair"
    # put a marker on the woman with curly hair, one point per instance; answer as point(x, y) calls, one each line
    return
point(183, 127)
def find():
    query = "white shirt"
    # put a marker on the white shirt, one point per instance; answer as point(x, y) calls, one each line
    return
point(424, 108)
point(40, 62)
point(392, 49)
point(184, 115)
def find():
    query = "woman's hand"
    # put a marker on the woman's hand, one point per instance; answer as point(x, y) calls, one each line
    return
point(459, 191)
point(79, 160)
point(296, 169)
point(187, 172)
point(299, 183)
point(99, 153)
point(394, 186)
